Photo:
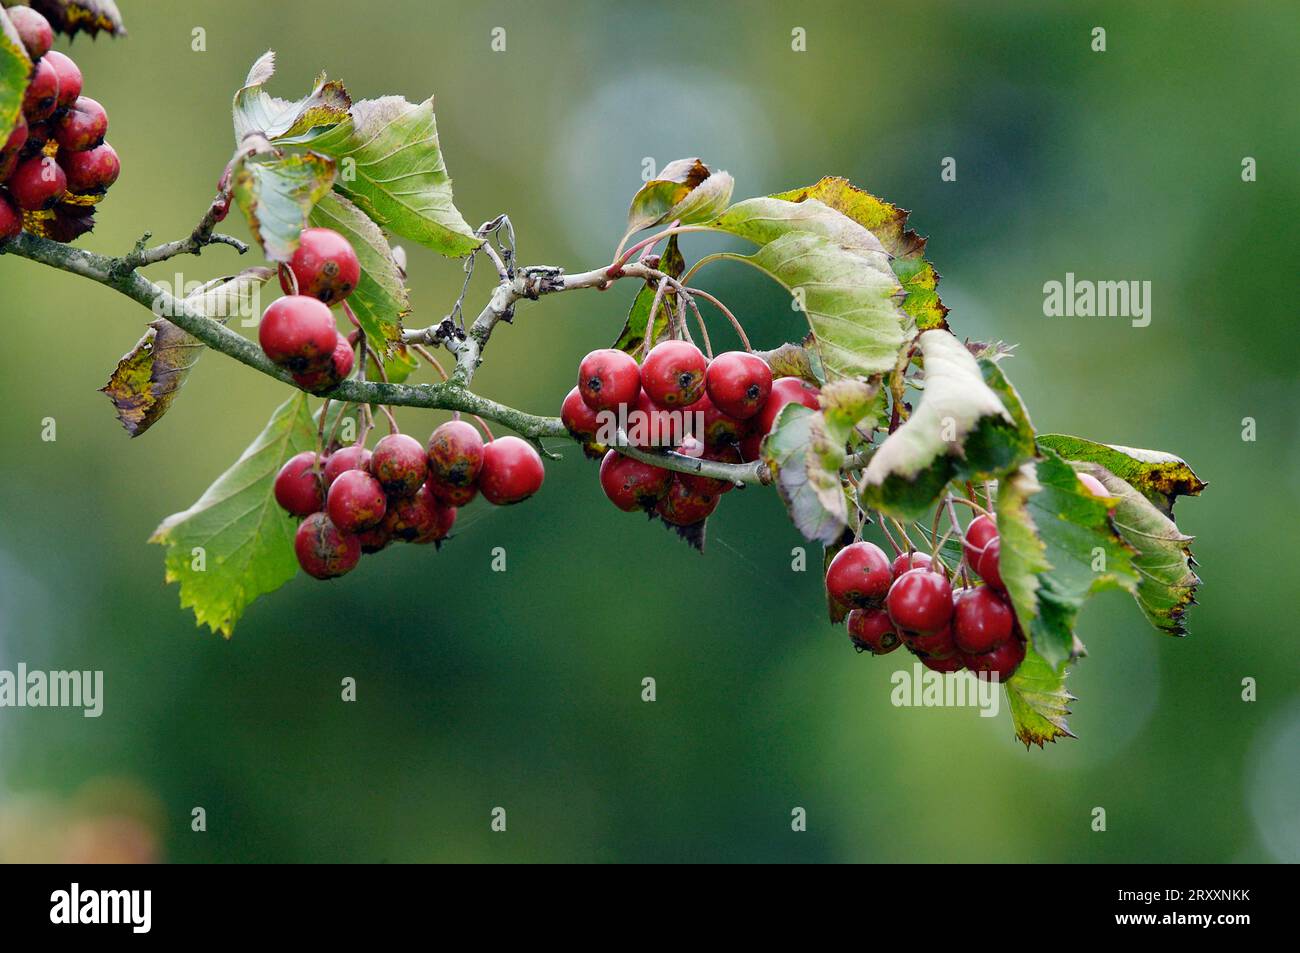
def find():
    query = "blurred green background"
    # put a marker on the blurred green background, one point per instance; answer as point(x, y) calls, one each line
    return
point(522, 689)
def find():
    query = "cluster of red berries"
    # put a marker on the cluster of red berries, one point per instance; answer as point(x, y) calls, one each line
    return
point(356, 501)
point(55, 165)
point(734, 396)
point(907, 602)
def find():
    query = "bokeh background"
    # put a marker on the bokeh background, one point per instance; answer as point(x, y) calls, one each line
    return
point(522, 689)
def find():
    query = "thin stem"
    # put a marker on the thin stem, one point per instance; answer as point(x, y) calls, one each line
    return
point(744, 339)
point(650, 321)
point(613, 271)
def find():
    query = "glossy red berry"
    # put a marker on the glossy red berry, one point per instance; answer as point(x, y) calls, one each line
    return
point(719, 429)
point(325, 265)
point(374, 540)
point(582, 423)
point(69, 77)
point(449, 495)
point(329, 377)
point(324, 550)
point(673, 374)
point(83, 126)
point(632, 485)
point(913, 560)
point(871, 630)
point(738, 383)
point(347, 458)
point(298, 332)
point(609, 378)
point(37, 183)
point(1002, 662)
point(1093, 485)
point(299, 486)
point(981, 531)
point(920, 601)
point(12, 149)
point(652, 426)
point(947, 663)
point(785, 390)
point(455, 455)
point(419, 519)
point(982, 620)
point(33, 29)
point(356, 501)
point(512, 471)
point(989, 566)
point(859, 576)
point(710, 486)
point(90, 172)
point(42, 95)
point(39, 134)
point(400, 464)
point(11, 219)
point(683, 506)
point(937, 644)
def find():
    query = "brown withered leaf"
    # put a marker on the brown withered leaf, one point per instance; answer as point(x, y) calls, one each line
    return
point(74, 16)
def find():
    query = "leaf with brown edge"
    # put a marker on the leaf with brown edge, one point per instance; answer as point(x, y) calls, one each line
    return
point(256, 111)
point(632, 337)
point(89, 16)
point(150, 375)
point(1160, 477)
point(686, 190)
point(1039, 701)
point(796, 360)
point(889, 224)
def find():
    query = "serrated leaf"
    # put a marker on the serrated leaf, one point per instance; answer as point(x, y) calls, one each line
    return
point(889, 224)
point(1160, 477)
point(1022, 554)
point(795, 360)
point(393, 169)
point(961, 430)
point(764, 220)
point(74, 16)
point(15, 68)
point(380, 299)
point(806, 464)
point(1166, 582)
point(255, 111)
point(276, 195)
point(632, 338)
point(150, 375)
point(686, 190)
point(1039, 701)
point(246, 540)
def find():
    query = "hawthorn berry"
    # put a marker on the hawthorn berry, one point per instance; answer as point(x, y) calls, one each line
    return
point(455, 455)
point(989, 566)
point(299, 485)
point(92, 171)
point(39, 133)
point(720, 429)
point(347, 458)
point(937, 644)
point(356, 501)
point(948, 663)
point(751, 448)
point(785, 390)
point(920, 600)
point(738, 383)
point(42, 95)
point(512, 471)
point(982, 620)
point(400, 464)
point(37, 183)
point(1001, 662)
point(871, 630)
point(11, 219)
point(582, 423)
point(449, 495)
point(82, 126)
point(859, 575)
point(653, 426)
point(298, 332)
point(673, 374)
point(609, 378)
point(711, 486)
point(684, 506)
point(33, 29)
point(632, 485)
point(340, 366)
point(419, 519)
point(323, 550)
point(69, 77)
point(905, 561)
point(1093, 485)
point(981, 531)
point(13, 147)
point(325, 266)
point(375, 539)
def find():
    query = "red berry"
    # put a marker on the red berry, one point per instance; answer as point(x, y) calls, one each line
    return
point(39, 133)
point(455, 455)
point(632, 485)
point(90, 172)
point(751, 448)
point(989, 568)
point(13, 147)
point(785, 390)
point(37, 183)
point(11, 219)
point(83, 126)
point(340, 367)
point(905, 561)
point(950, 663)
point(42, 95)
point(871, 630)
point(33, 29)
point(859, 576)
point(449, 495)
point(419, 519)
point(356, 501)
point(982, 620)
point(348, 458)
point(1001, 662)
point(69, 77)
point(920, 601)
point(981, 531)
point(938, 644)
point(298, 332)
point(1093, 485)
point(299, 486)
point(650, 425)
point(325, 265)
point(609, 378)
point(719, 429)
point(673, 374)
point(374, 540)
point(738, 383)
point(512, 471)
point(582, 423)
point(323, 550)
point(400, 464)
point(683, 506)
point(710, 486)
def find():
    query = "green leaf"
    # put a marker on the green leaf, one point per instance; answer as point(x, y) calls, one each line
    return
point(151, 374)
point(392, 167)
point(849, 403)
point(1039, 701)
point(686, 190)
point(764, 220)
point(72, 16)
point(1160, 477)
point(961, 430)
point(380, 299)
point(277, 194)
point(1166, 582)
point(632, 338)
point(889, 224)
point(15, 68)
point(806, 462)
point(245, 539)
point(255, 111)
point(1083, 552)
